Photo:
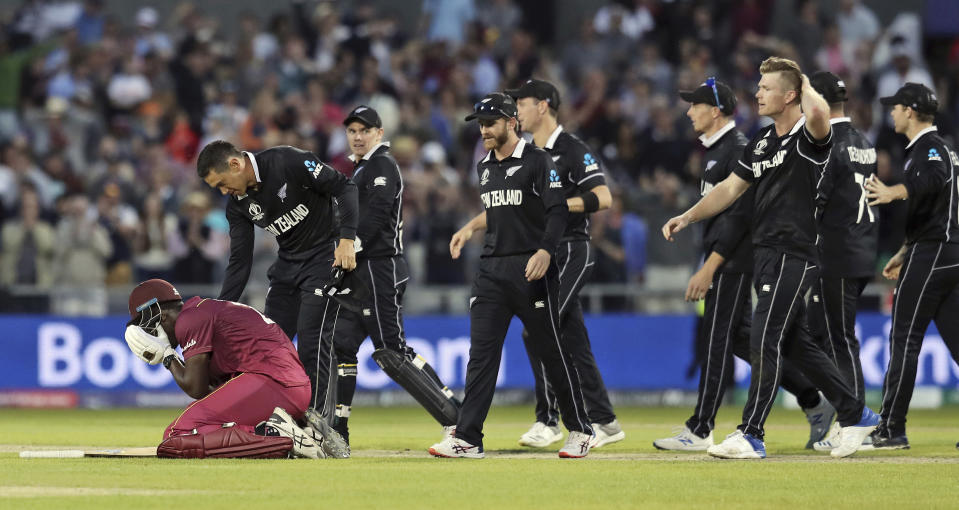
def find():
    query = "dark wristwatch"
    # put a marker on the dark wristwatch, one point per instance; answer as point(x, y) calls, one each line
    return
point(168, 360)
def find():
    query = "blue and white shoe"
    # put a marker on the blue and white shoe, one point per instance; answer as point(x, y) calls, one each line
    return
point(819, 418)
point(851, 437)
point(739, 446)
point(685, 441)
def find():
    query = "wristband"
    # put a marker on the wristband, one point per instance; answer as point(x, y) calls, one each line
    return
point(590, 202)
point(167, 361)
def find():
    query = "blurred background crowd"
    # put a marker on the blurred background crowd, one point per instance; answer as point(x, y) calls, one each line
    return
point(105, 104)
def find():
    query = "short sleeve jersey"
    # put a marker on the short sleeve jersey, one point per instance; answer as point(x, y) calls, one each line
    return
point(517, 193)
point(580, 170)
point(239, 340)
point(785, 171)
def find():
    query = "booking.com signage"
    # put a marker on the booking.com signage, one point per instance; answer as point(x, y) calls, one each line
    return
point(634, 352)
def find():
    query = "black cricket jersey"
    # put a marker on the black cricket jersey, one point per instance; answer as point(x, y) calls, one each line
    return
point(380, 186)
point(727, 233)
point(848, 226)
point(785, 171)
point(524, 200)
point(580, 171)
point(294, 201)
point(930, 178)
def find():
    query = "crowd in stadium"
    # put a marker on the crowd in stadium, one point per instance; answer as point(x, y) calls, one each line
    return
point(101, 118)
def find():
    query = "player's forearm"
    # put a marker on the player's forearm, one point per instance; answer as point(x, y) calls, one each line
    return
point(713, 262)
point(188, 382)
point(556, 217)
point(715, 202)
point(237, 274)
point(347, 203)
point(603, 199)
point(477, 223)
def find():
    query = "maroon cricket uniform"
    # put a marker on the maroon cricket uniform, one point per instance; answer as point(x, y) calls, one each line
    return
point(253, 366)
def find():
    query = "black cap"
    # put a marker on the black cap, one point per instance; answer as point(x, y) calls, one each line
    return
point(832, 88)
point(493, 106)
point(914, 95)
point(364, 115)
point(707, 94)
point(542, 90)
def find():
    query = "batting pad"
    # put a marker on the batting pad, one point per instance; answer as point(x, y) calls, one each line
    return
point(146, 451)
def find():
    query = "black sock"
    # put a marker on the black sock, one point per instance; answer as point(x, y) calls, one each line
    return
point(809, 399)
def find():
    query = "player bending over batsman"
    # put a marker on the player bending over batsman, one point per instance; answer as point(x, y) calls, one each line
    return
point(241, 368)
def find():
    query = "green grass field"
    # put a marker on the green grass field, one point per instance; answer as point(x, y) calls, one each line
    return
point(391, 468)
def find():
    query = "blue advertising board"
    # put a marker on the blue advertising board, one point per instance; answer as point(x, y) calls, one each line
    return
point(635, 352)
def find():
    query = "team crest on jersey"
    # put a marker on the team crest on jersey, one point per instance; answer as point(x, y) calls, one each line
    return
point(313, 167)
point(256, 211)
point(379, 181)
point(282, 193)
point(760, 147)
point(512, 170)
point(934, 155)
point(485, 178)
point(710, 164)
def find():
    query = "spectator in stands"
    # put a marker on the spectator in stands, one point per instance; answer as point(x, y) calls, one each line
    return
point(28, 245)
point(197, 247)
point(153, 241)
point(83, 245)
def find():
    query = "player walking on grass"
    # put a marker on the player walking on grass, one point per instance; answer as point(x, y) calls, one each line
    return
point(784, 161)
point(291, 194)
point(381, 272)
point(927, 266)
point(525, 216)
point(725, 279)
point(586, 192)
point(240, 367)
point(848, 239)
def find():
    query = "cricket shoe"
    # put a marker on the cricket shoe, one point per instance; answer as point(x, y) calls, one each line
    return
point(282, 424)
point(819, 418)
point(832, 439)
point(739, 446)
point(883, 441)
point(332, 443)
point(540, 435)
point(605, 434)
point(577, 445)
point(448, 431)
point(451, 447)
point(685, 441)
point(851, 437)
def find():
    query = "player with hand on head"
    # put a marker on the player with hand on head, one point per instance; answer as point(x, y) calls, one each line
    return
point(784, 161)
point(525, 216)
point(725, 279)
point(381, 276)
point(240, 367)
point(586, 192)
point(291, 194)
point(927, 265)
point(848, 240)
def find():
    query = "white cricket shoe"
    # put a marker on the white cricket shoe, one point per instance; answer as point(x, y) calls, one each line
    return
point(852, 436)
point(685, 441)
point(281, 423)
point(831, 440)
point(540, 435)
point(606, 434)
point(451, 447)
point(577, 445)
point(739, 446)
point(448, 431)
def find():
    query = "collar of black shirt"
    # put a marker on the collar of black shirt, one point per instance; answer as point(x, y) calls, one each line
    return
point(368, 155)
point(930, 129)
point(517, 152)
